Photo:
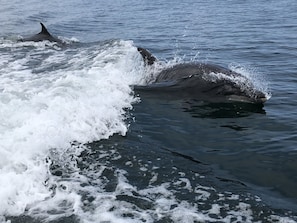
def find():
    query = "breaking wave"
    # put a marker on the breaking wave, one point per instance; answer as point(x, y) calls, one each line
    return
point(58, 105)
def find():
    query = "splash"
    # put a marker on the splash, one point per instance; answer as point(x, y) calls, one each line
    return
point(49, 98)
point(258, 80)
point(57, 107)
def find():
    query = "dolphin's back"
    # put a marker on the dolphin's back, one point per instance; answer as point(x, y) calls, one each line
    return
point(205, 81)
point(42, 36)
point(182, 71)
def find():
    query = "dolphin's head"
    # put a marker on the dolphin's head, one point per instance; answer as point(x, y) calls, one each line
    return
point(230, 90)
point(249, 95)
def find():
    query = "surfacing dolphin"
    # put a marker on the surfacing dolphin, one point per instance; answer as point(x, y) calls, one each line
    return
point(202, 81)
point(42, 36)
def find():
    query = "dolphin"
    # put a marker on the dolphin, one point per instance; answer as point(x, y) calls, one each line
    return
point(42, 36)
point(203, 81)
point(148, 58)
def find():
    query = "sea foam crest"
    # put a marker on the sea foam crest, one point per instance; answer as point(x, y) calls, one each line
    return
point(50, 98)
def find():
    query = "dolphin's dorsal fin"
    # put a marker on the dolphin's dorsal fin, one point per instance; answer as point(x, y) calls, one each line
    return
point(44, 30)
point(148, 58)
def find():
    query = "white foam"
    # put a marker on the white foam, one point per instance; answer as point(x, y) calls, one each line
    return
point(53, 102)
point(258, 79)
point(50, 98)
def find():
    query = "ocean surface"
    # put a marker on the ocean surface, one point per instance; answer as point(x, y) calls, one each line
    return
point(78, 144)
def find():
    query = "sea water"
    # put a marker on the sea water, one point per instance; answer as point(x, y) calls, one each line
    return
point(78, 144)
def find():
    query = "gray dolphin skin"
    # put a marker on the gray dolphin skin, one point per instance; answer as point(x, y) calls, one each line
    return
point(148, 58)
point(203, 81)
point(42, 36)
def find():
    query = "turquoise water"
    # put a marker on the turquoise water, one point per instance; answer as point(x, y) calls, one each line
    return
point(77, 144)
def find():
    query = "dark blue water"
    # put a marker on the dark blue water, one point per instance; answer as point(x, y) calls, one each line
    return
point(77, 144)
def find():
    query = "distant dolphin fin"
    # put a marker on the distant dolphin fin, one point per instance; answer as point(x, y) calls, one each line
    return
point(44, 30)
